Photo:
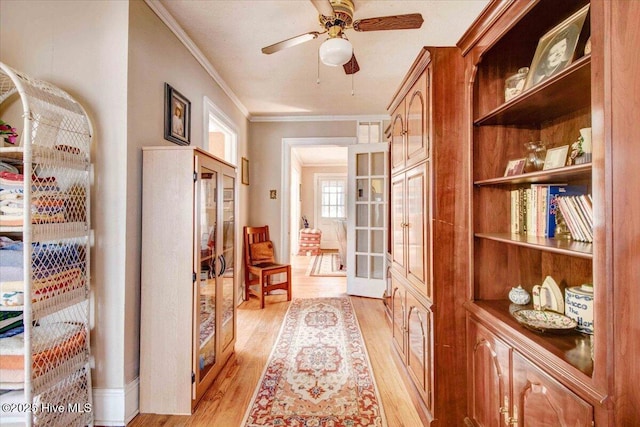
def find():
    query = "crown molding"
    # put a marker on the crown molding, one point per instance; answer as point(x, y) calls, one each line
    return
point(173, 25)
point(363, 118)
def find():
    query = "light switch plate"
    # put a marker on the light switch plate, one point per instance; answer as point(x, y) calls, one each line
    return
point(273, 194)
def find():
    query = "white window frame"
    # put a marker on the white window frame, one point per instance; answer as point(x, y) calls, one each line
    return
point(369, 124)
point(226, 125)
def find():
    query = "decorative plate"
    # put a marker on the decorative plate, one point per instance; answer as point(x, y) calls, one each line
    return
point(545, 321)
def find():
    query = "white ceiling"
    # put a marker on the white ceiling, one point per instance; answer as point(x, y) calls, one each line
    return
point(230, 34)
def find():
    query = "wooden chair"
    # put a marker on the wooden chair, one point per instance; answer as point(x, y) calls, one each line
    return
point(260, 265)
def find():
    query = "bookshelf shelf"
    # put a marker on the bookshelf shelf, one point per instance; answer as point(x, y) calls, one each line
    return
point(546, 101)
point(573, 173)
point(564, 247)
point(571, 349)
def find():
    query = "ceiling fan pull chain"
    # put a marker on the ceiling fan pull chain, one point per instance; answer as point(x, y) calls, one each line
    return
point(352, 92)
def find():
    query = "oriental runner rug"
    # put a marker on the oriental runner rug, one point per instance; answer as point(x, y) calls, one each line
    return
point(326, 264)
point(318, 373)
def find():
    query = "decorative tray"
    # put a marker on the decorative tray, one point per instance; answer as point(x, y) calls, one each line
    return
point(545, 321)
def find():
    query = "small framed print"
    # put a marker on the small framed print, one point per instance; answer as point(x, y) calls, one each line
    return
point(245, 171)
point(556, 157)
point(177, 116)
point(514, 167)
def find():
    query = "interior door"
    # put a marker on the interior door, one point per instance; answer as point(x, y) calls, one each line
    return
point(368, 185)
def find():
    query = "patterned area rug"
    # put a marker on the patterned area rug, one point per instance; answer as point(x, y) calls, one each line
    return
point(326, 264)
point(319, 372)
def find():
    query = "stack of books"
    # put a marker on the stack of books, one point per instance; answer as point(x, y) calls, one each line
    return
point(533, 210)
point(577, 212)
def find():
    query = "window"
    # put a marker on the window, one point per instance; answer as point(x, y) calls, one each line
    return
point(220, 137)
point(369, 132)
point(332, 196)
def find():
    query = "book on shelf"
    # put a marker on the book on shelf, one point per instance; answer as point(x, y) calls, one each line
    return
point(553, 192)
point(533, 209)
point(578, 215)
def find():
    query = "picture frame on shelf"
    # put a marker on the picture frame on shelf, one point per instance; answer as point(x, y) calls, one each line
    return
point(177, 116)
point(556, 49)
point(556, 157)
point(245, 171)
point(515, 167)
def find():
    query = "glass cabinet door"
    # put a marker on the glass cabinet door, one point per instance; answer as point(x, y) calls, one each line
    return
point(228, 271)
point(205, 315)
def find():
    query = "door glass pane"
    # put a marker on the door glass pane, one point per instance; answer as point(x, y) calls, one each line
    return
point(205, 318)
point(227, 270)
point(377, 215)
point(362, 242)
point(362, 266)
point(361, 215)
point(377, 267)
point(362, 164)
point(363, 189)
point(377, 189)
point(377, 163)
point(377, 241)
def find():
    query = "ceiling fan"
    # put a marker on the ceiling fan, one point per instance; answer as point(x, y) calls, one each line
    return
point(335, 17)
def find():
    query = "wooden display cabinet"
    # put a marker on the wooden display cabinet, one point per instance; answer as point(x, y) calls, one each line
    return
point(503, 39)
point(188, 298)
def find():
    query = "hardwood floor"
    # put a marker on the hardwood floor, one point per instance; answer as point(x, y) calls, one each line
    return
point(224, 404)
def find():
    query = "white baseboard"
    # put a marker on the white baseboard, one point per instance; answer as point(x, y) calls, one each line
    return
point(116, 406)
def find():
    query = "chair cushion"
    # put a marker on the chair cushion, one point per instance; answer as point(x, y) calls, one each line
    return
point(261, 251)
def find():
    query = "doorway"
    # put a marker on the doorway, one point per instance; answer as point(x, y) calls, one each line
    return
point(330, 205)
point(293, 152)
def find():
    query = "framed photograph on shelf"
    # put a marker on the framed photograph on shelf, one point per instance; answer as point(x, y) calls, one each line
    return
point(177, 116)
point(556, 49)
point(245, 171)
point(514, 167)
point(556, 157)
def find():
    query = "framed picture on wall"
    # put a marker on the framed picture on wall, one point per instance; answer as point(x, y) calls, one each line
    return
point(245, 171)
point(177, 116)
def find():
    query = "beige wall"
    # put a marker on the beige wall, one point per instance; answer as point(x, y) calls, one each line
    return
point(114, 57)
point(82, 48)
point(157, 56)
point(265, 146)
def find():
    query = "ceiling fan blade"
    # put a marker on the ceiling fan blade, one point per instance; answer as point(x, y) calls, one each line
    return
point(352, 66)
point(395, 22)
point(293, 41)
point(324, 7)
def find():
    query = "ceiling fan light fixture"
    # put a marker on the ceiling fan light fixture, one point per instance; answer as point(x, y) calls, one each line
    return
point(336, 51)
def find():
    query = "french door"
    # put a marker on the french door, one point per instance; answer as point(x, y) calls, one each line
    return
point(368, 185)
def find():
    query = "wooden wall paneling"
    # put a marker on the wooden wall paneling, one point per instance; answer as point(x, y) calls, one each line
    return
point(491, 261)
point(493, 214)
point(624, 105)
